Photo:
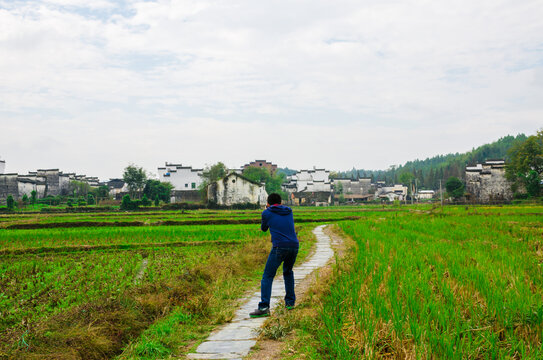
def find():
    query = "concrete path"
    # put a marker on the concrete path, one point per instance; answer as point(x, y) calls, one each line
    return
point(235, 339)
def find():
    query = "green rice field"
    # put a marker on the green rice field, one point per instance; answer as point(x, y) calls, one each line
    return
point(416, 282)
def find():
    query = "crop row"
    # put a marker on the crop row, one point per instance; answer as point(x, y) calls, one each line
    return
point(426, 286)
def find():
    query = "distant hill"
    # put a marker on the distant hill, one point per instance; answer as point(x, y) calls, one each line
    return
point(286, 171)
point(428, 172)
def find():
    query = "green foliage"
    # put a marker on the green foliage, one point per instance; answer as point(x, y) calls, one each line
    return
point(90, 199)
point(155, 188)
point(428, 172)
point(128, 204)
point(214, 172)
point(210, 174)
point(10, 202)
point(101, 192)
point(135, 179)
point(526, 165)
point(33, 197)
point(79, 188)
point(25, 199)
point(454, 187)
point(533, 183)
point(339, 189)
point(273, 182)
point(157, 200)
point(145, 200)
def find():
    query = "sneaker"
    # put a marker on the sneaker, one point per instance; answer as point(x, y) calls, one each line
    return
point(289, 307)
point(260, 313)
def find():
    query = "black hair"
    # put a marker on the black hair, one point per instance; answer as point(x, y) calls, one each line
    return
point(274, 198)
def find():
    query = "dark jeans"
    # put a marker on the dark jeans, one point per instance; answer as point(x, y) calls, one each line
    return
point(278, 255)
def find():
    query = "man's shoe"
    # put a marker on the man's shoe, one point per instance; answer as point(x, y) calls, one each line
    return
point(260, 313)
point(289, 307)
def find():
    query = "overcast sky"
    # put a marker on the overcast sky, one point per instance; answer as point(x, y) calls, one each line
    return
point(92, 86)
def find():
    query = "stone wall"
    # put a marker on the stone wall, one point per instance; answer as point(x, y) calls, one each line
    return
point(53, 181)
point(193, 196)
point(235, 189)
point(488, 185)
point(8, 186)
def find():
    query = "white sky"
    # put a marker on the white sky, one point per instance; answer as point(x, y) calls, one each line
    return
point(91, 86)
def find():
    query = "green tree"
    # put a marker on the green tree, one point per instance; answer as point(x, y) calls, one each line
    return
point(126, 203)
point(525, 167)
point(90, 199)
point(211, 174)
point(339, 188)
point(533, 183)
point(214, 172)
point(10, 202)
point(145, 200)
point(157, 200)
point(455, 187)
point(33, 197)
point(155, 188)
point(135, 178)
point(25, 199)
point(101, 192)
point(273, 183)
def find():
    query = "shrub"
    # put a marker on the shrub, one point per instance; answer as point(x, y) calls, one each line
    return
point(10, 203)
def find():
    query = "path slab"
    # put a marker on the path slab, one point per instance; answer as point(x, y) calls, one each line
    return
point(235, 339)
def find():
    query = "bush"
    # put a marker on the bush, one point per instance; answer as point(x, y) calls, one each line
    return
point(145, 200)
point(128, 204)
point(90, 199)
point(10, 202)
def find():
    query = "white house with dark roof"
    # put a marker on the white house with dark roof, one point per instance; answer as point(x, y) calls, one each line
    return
point(183, 178)
point(2, 166)
point(486, 182)
point(236, 189)
point(315, 180)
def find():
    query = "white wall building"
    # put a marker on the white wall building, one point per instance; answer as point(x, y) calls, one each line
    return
point(236, 189)
point(182, 178)
point(2, 166)
point(396, 192)
point(315, 180)
point(425, 194)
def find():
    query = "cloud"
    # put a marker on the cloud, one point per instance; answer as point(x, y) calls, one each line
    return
point(326, 78)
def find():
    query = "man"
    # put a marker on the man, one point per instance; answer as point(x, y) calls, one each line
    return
point(278, 218)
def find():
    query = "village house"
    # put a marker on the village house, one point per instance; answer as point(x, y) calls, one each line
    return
point(486, 182)
point(117, 188)
point(391, 193)
point(272, 168)
point(353, 190)
point(185, 180)
point(46, 182)
point(309, 187)
point(236, 189)
point(425, 194)
point(2, 166)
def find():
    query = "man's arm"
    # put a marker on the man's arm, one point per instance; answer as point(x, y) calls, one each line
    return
point(264, 223)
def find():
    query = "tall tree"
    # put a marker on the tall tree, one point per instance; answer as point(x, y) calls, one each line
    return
point(135, 178)
point(210, 174)
point(526, 164)
point(155, 189)
point(455, 187)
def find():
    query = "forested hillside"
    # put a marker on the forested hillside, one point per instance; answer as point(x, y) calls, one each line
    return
point(428, 172)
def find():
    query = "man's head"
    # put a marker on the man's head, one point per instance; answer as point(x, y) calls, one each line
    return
point(274, 199)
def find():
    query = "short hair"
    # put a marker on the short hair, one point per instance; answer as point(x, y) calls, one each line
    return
point(274, 198)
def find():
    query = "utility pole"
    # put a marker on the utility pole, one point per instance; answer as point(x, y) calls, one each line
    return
point(441, 193)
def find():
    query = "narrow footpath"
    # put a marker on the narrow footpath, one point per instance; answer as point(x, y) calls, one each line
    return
point(235, 339)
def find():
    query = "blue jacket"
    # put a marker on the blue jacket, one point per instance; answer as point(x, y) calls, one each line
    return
point(279, 219)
